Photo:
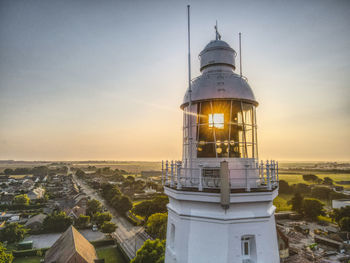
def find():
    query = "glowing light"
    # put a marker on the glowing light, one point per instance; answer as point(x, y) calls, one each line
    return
point(232, 142)
point(226, 142)
point(216, 120)
point(219, 150)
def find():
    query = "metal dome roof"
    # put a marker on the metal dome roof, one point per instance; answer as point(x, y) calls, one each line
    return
point(215, 44)
point(220, 85)
point(217, 52)
point(218, 81)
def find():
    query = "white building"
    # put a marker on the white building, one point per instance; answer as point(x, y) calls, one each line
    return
point(339, 203)
point(220, 207)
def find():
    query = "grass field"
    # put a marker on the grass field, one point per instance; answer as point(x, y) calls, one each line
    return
point(19, 176)
point(27, 260)
point(298, 178)
point(281, 201)
point(110, 255)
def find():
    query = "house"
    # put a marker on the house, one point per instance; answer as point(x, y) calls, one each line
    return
point(80, 200)
point(35, 222)
point(283, 244)
point(75, 212)
point(27, 184)
point(6, 199)
point(71, 247)
point(37, 193)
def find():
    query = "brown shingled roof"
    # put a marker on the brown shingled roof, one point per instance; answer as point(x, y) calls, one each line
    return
point(71, 247)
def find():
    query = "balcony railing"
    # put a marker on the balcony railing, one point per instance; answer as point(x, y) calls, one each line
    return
point(260, 176)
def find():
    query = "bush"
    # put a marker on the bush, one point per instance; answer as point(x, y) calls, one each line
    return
point(102, 243)
point(28, 252)
point(108, 227)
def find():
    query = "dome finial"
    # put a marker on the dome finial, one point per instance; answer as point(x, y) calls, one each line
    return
point(217, 34)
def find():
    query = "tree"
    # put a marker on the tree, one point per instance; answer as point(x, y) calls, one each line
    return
point(284, 187)
point(13, 232)
point(21, 200)
point(122, 204)
point(328, 181)
point(338, 214)
point(82, 221)
point(80, 173)
point(152, 251)
point(344, 224)
point(57, 222)
point(312, 208)
point(93, 206)
point(8, 171)
point(149, 207)
point(301, 188)
point(5, 257)
point(297, 203)
point(157, 225)
point(100, 218)
point(108, 227)
point(310, 177)
point(321, 192)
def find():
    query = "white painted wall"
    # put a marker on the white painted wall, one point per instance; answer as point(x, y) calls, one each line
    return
point(205, 232)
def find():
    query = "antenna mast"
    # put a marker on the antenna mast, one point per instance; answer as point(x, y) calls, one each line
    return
point(189, 115)
point(240, 53)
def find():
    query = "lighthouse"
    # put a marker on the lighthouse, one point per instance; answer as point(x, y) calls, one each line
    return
point(220, 195)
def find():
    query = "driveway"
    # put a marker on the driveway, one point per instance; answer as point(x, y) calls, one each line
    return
point(47, 240)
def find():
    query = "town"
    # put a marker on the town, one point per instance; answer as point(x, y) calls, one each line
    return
point(113, 208)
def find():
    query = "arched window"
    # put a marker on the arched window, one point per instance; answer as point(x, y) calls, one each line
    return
point(248, 248)
point(172, 236)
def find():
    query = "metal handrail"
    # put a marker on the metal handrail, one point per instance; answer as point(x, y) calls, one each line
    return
point(262, 176)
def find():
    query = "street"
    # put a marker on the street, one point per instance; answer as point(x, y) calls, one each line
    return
point(129, 236)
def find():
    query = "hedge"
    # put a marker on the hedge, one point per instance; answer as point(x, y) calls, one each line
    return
point(102, 243)
point(28, 252)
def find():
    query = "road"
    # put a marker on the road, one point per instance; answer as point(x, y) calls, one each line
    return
point(130, 237)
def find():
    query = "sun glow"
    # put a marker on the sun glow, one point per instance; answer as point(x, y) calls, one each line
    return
point(216, 120)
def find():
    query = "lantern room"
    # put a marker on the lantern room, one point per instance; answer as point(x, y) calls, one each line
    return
point(221, 120)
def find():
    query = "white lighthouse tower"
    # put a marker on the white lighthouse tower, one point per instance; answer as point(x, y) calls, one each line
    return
point(220, 197)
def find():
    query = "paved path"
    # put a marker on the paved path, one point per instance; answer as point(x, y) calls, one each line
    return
point(129, 236)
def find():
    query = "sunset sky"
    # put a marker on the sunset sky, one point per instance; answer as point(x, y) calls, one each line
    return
point(103, 80)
